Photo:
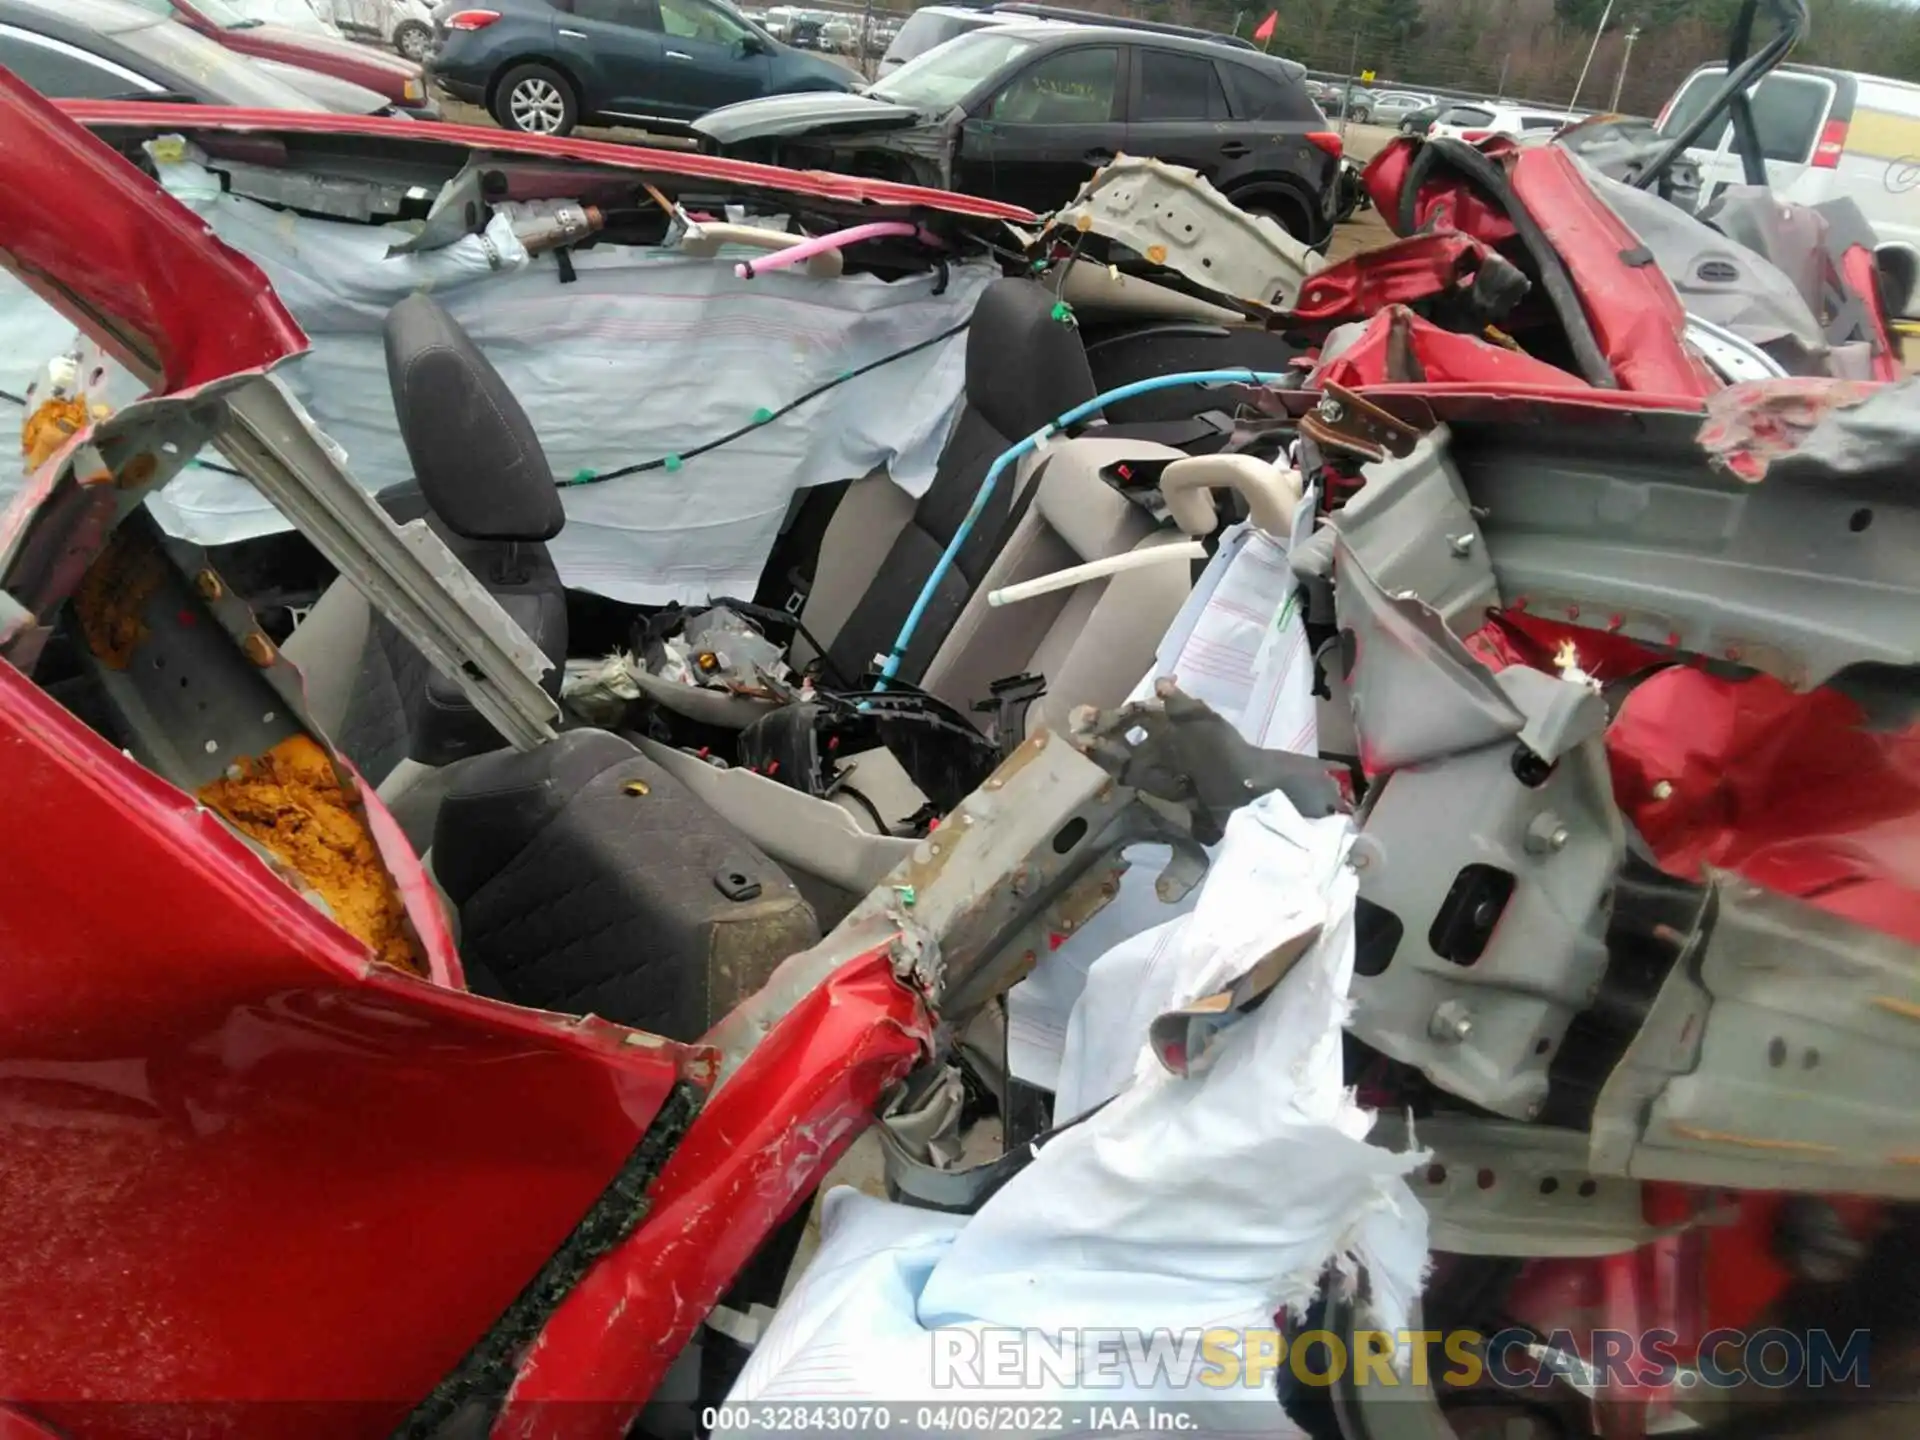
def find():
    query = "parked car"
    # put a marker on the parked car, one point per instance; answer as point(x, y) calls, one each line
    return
point(404, 25)
point(544, 69)
point(1824, 134)
point(1334, 97)
point(1386, 107)
point(933, 25)
point(1025, 112)
point(289, 14)
point(114, 50)
point(397, 79)
point(1420, 120)
point(1478, 120)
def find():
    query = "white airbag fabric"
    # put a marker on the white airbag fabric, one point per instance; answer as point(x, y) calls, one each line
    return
point(1239, 644)
point(1185, 1204)
point(647, 354)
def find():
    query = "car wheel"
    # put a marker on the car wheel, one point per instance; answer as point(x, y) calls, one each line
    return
point(1286, 212)
point(535, 100)
point(1359, 115)
point(413, 40)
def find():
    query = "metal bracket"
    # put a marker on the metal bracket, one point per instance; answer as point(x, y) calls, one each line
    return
point(1346, 421)
point(1494, 1187)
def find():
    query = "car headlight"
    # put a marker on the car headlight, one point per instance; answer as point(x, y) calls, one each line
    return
point(413, 90)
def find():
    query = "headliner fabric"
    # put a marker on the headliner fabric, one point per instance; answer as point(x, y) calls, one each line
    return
point(646, 355)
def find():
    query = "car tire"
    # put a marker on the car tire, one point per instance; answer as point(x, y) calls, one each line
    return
point(1291, 215)
point(536, 100)
point(413, 40)
point(1360, 116)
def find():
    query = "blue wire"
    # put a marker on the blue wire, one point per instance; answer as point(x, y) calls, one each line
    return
point(891, 665)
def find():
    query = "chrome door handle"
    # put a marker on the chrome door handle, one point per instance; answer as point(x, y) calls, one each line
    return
point(678, 55)
point(574, 34)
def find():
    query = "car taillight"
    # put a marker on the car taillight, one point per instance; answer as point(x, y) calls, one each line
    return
point(1833, 143)
point(472, 19)
point(1325, 140)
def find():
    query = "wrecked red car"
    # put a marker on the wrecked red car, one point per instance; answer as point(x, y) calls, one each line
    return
point(410, 1031)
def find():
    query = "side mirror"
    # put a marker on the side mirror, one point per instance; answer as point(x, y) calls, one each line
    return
point(753, 45)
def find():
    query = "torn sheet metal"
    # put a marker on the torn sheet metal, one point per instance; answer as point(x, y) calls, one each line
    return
point(1173, 217)
point(1750, 426)
point(1773, 1056)
point(1413, 528)
point(168, 1150)
point(1634, 532)
point(646, 355)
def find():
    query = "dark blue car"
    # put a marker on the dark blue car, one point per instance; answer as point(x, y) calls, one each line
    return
point(546, 67)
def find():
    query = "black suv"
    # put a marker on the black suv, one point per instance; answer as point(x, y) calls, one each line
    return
point(1025, 111)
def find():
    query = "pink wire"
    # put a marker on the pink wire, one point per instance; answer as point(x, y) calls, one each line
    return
point(839, 239)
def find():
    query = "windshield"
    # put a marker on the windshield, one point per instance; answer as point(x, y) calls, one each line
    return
point(924, 30)
point(215, 71)
point(1787, 112)
point(947, 74)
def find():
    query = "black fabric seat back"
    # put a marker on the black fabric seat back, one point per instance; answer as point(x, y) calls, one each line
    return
point(482, 482)
point(1024, 367)
point(591, 881)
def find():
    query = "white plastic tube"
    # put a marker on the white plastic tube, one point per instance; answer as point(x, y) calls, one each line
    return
point(1096, 570)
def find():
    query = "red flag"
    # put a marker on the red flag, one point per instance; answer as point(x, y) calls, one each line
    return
point(1263, 32)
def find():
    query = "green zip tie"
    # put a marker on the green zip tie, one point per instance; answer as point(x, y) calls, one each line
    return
point(671, 463)
point(762, 415)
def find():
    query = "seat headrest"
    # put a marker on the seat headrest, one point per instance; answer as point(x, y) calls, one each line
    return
point(473, 449)
point(1023, 366)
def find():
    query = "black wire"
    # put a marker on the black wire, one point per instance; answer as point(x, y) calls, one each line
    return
point(784, 410)
point(727, 439)
point(838, 789)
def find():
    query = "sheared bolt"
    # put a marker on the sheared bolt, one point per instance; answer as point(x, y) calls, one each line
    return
point(259, 649)
point(1547, 834)
point(208, 584)
point(1663, 789)
point(1461, 545)
point(1331, 411)
point(1451, 1024)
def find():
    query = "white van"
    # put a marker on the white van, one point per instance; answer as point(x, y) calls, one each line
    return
point(1826, 135)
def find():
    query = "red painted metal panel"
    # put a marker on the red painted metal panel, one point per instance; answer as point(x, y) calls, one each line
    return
point(243, 1163)
point(764, 1141)
point(176, 307)
point(818, 184)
